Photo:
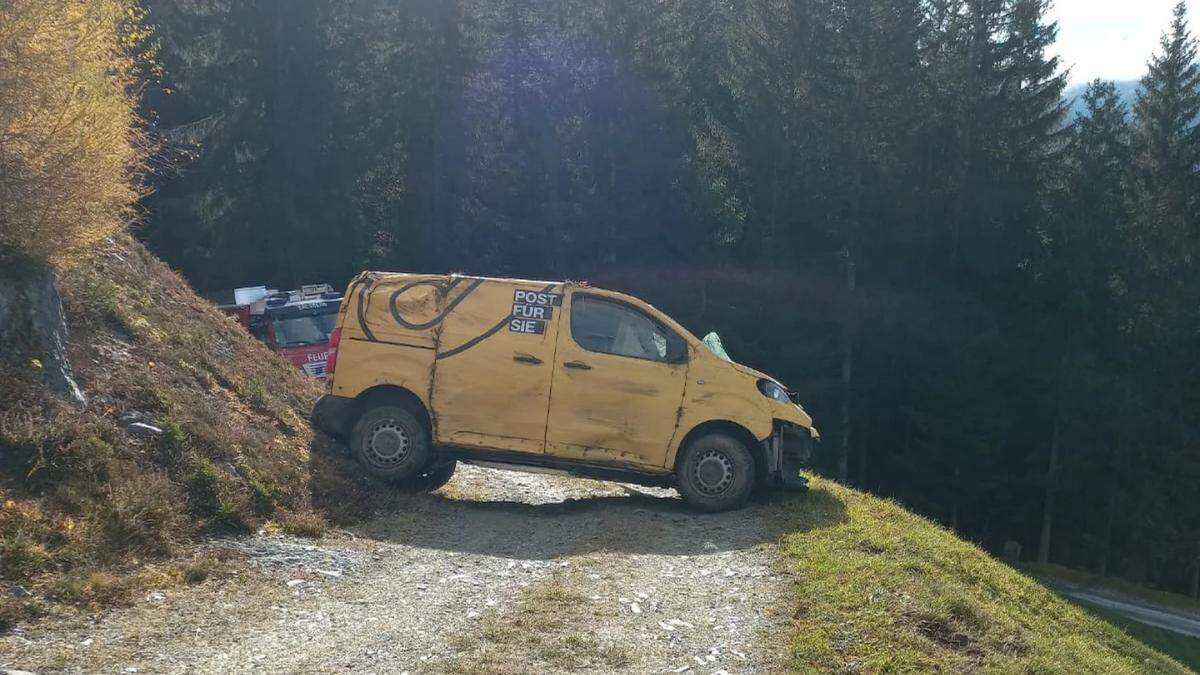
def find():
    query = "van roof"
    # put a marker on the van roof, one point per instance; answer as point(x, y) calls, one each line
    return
point(383, 276)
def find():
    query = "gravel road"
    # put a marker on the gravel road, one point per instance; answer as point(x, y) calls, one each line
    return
point(499, 572)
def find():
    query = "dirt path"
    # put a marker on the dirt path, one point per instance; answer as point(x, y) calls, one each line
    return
point(500, 572)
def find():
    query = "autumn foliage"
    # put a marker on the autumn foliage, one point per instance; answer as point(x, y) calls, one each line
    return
point(71, 145)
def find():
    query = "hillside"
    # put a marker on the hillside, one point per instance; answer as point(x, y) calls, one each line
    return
point(192, 427)
point(882, 590)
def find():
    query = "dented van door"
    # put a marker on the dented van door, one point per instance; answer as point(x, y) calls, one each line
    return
point(492, 372)
point(619, 377)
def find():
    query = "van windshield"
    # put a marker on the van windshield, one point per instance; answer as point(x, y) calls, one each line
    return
point(713, 342)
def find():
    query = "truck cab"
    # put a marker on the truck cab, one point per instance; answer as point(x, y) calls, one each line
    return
point(426, 371)
point(294, 324)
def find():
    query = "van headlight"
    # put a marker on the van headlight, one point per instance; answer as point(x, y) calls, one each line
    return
point(772, 390)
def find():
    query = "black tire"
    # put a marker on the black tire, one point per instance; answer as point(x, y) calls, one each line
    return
point(716, 473)
point(432, 477)
point(390, 443)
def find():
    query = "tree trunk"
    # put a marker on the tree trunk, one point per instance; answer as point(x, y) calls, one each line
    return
point(1106, 540)
point(1051, 493)
point(861, 445)
point(769, 244)
point(436, 220)
point(847, 364)
point(1110, 507)
point(610, 225)
point(1196, 574)
point(955, 494)
point(281, 154)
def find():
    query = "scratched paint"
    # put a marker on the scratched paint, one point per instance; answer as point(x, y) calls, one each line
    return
point(497, 366)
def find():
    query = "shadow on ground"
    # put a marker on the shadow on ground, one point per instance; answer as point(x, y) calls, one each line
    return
point(619, 519)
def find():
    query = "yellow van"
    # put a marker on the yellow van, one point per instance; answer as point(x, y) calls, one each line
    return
point(428, 370)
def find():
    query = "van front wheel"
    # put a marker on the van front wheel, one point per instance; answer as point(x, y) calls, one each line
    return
point(716, 473)
point(390, 443)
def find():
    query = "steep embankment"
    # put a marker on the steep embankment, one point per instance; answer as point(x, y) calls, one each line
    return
point(883, 590)
point(191, 427)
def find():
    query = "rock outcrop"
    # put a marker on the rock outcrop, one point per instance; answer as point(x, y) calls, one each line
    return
point(32, 320)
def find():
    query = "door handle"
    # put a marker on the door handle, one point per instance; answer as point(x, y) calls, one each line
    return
point(578, 365)
point(527, 358)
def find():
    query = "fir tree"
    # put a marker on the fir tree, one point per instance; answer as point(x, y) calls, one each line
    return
point(1168, 141)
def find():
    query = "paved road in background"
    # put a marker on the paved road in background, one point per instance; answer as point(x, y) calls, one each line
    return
point(1151, 615)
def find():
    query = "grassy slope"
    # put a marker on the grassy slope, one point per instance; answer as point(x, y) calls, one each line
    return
point(80, 498)
point(1182, 648)
point(882, 590)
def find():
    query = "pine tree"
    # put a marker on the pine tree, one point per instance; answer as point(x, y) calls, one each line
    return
point(1166, 227)
point(1168, 140)
point(868, 82)
point(1078, 315)
point(993, 139)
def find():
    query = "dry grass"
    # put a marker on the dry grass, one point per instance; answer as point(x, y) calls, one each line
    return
point(80, 496)
point(548, 631)
point(303, 524)
point(883, 590)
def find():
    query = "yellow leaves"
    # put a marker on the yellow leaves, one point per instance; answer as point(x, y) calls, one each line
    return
point(73, 151)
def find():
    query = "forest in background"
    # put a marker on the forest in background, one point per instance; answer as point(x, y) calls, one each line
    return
point(990, 305)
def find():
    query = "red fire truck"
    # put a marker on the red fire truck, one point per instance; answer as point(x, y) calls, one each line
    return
point(294, 323)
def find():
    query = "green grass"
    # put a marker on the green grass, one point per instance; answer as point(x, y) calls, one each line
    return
point(1182, 648)
point(880, 590)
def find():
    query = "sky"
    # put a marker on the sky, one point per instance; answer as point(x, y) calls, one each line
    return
point(1113, 39)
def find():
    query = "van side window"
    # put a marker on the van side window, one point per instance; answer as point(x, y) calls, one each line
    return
point(608, 327)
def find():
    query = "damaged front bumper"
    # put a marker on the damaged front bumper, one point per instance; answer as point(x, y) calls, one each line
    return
point(788, 449)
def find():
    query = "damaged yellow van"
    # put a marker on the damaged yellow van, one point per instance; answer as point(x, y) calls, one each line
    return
point(426, 371)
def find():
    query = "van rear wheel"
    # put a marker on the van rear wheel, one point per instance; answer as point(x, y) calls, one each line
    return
point(716, 473)
point(390, 442)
